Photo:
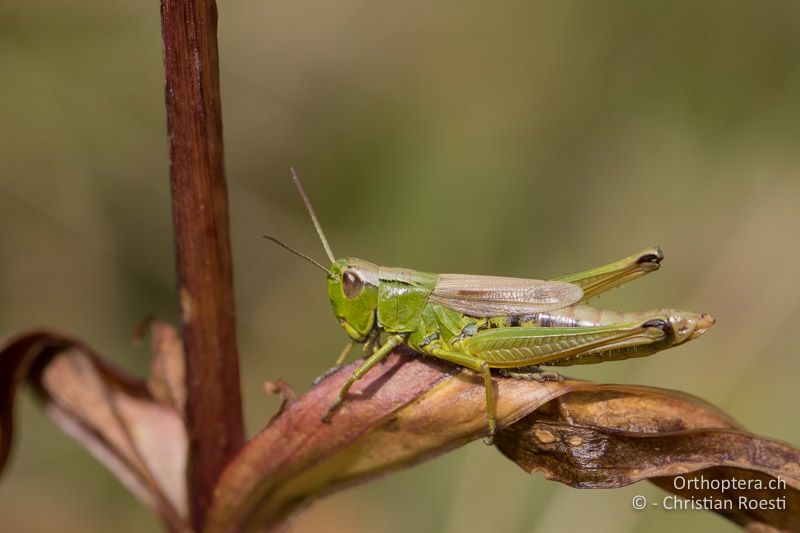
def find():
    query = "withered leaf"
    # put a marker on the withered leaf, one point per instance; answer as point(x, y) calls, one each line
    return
point(115, 416)
point(614, 435)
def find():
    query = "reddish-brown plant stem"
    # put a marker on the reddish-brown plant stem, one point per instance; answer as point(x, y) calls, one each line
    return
point(200, 216)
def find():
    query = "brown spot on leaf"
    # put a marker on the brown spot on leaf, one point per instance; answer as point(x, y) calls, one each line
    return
point(575, 440)
point(544, 436)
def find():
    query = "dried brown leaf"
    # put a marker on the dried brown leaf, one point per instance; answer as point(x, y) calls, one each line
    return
point(614, 435)
point(113, 415)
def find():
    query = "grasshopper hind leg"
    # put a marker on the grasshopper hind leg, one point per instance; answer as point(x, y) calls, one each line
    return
point(530, 373)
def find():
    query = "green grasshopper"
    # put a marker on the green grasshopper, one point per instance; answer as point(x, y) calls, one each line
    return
point(486, 322)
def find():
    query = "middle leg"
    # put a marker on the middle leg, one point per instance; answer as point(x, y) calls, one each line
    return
point(476, 365)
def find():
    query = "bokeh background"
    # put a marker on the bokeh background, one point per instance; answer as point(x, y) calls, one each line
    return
point(522, 139)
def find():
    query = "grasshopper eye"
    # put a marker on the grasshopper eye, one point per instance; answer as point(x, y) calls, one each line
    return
point(351, 283)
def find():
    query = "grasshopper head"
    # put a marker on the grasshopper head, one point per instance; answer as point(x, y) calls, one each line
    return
point(353, 290)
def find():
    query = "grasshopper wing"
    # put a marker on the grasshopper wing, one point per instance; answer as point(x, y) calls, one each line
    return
point(486, 296)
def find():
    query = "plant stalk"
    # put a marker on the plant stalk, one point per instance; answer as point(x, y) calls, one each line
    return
point(202, 244)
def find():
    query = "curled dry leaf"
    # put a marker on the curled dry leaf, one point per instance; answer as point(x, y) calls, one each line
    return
point(137, 433)
point(411, 409)
point(613, 435)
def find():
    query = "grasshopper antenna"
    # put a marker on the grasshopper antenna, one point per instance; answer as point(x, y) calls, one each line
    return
point(313, 219)
point(296, 252)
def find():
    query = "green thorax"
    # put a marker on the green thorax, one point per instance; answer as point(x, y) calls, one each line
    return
point(402, 296)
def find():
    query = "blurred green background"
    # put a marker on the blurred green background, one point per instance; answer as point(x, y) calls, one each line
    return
point(522, 139)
